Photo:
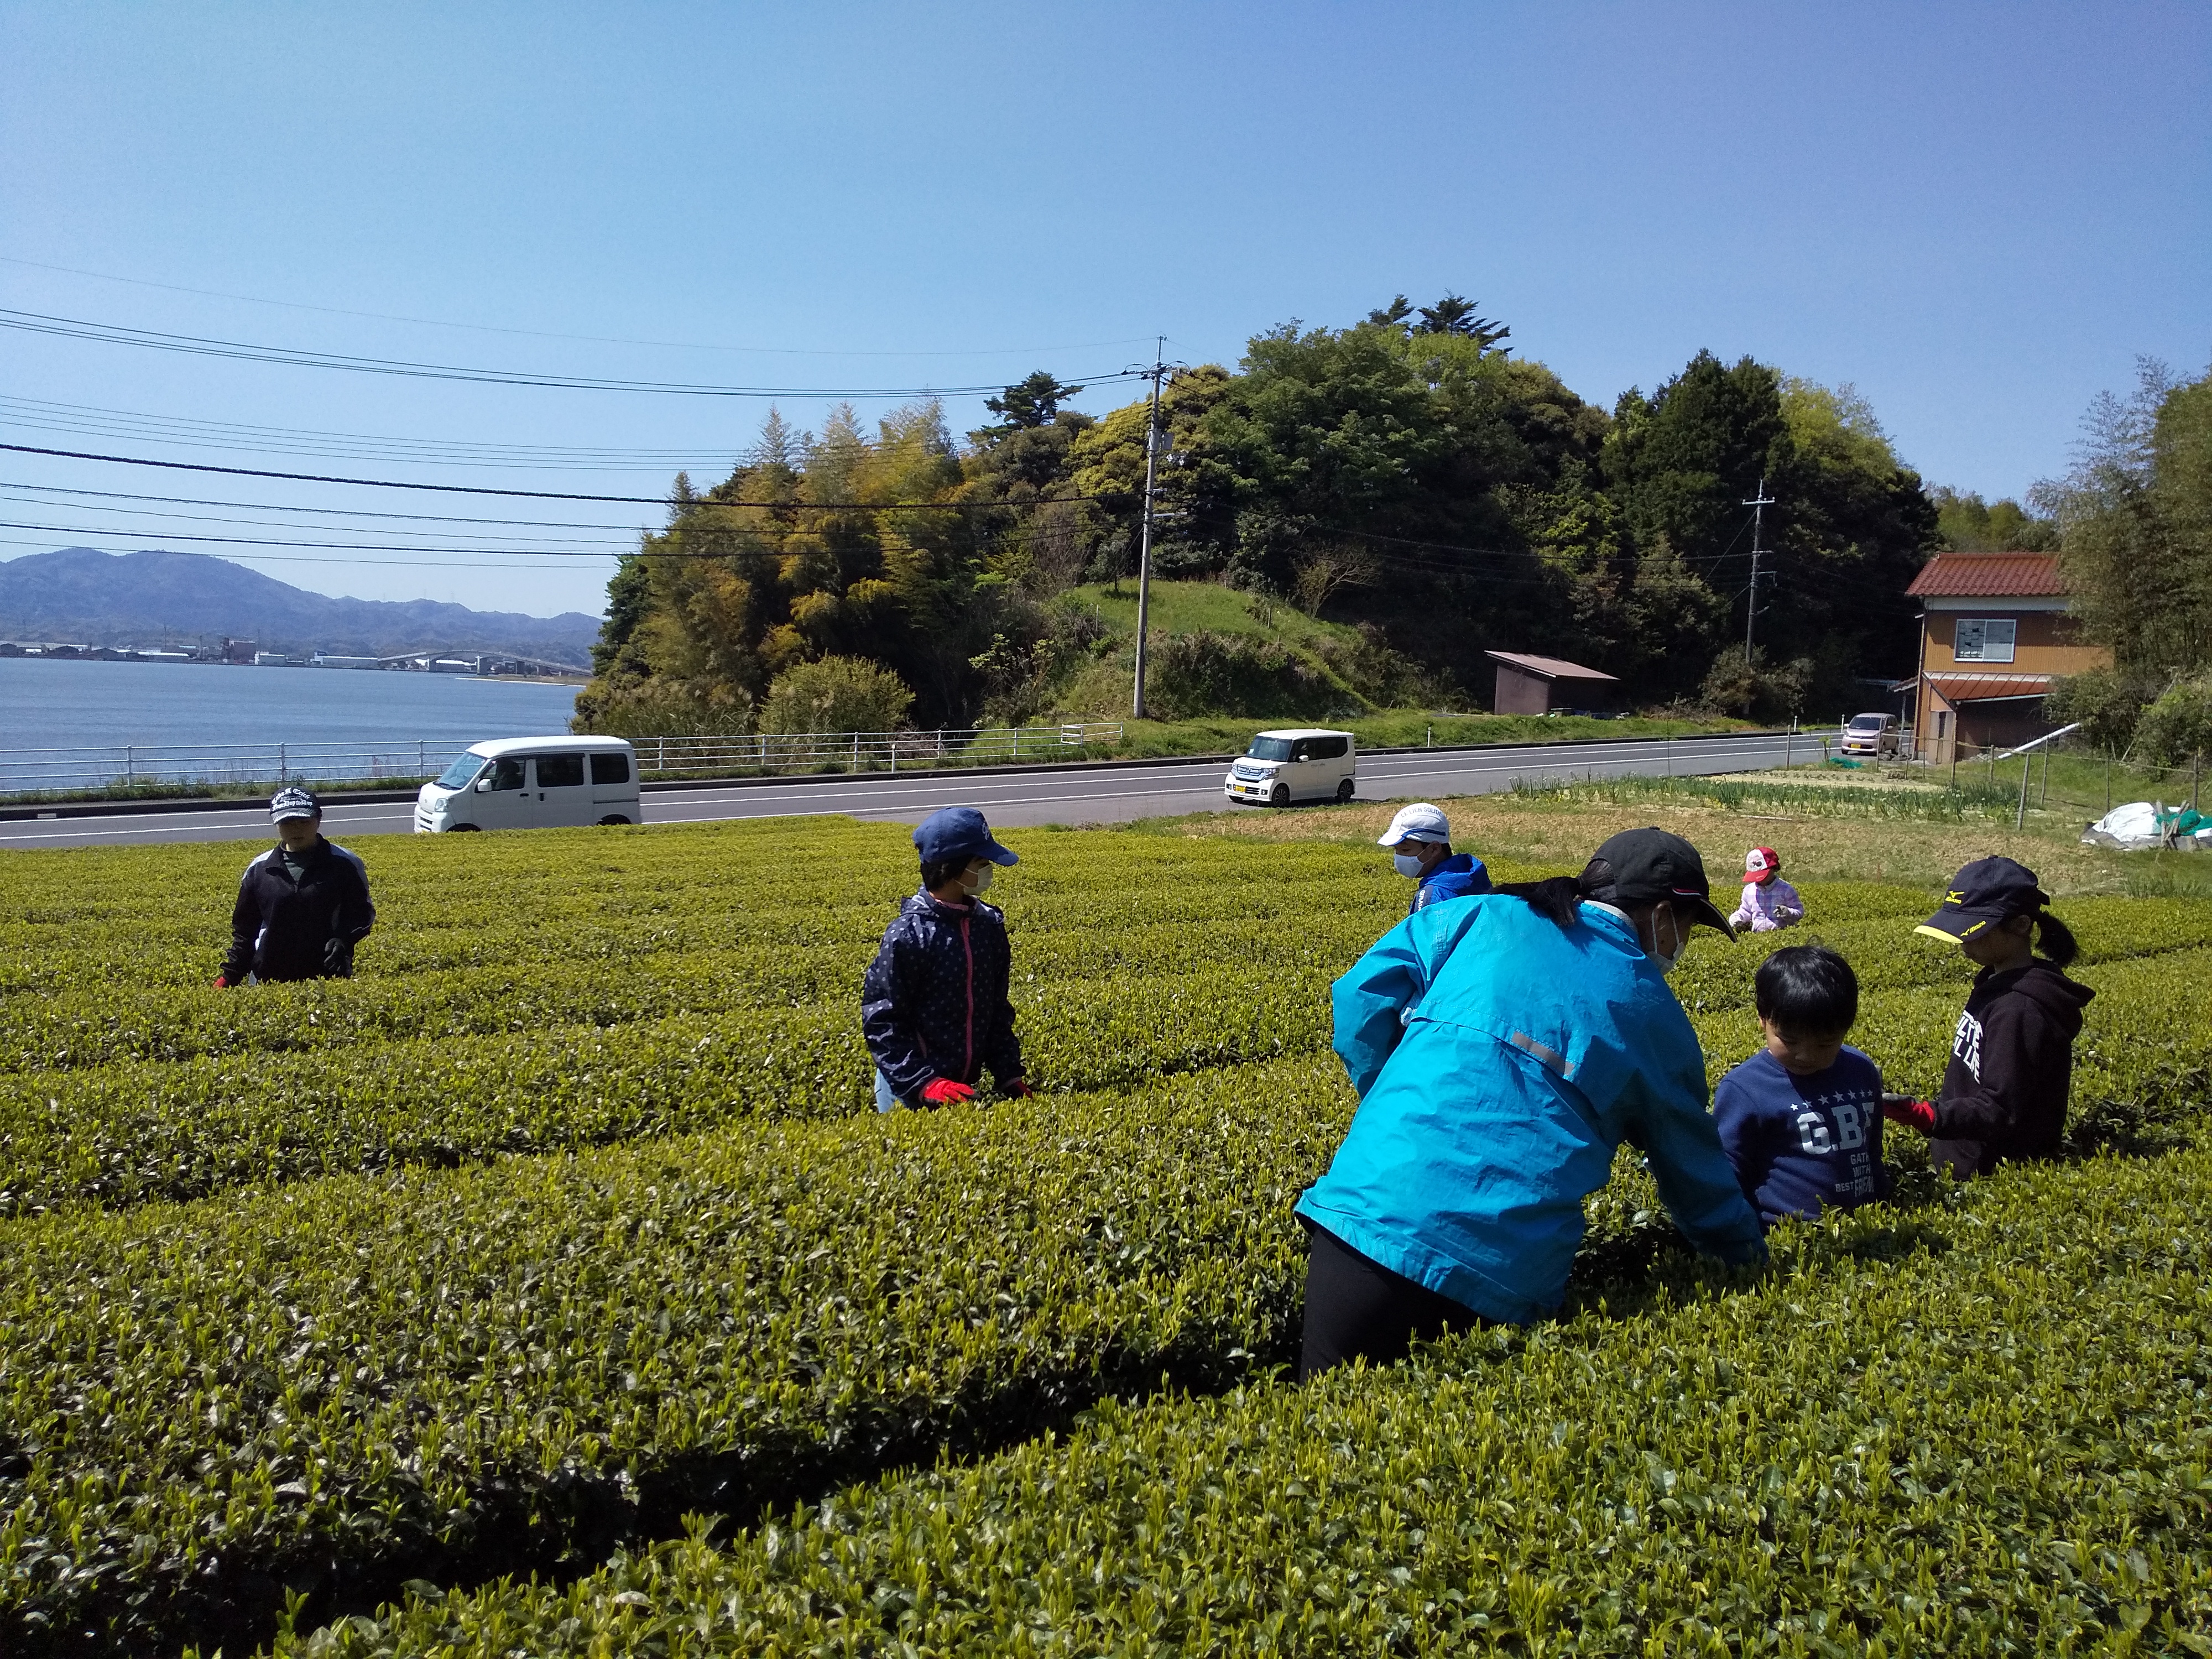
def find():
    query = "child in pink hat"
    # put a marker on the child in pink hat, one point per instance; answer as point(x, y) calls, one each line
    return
point(1768, 902)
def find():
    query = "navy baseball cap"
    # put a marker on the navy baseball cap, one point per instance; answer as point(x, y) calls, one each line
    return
point(1987, 890)
point(294, 803)
point(958, 832)
point(1641, 866)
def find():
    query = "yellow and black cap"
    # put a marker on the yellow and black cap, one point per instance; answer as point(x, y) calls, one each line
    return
point(1986, 892)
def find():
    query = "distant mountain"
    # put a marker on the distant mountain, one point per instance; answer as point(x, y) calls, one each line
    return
point(82, 596)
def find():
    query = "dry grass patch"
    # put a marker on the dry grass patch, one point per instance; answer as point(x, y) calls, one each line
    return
point(1823, 778)
point(1525, 830)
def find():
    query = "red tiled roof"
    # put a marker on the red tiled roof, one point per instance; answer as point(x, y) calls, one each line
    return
point(1551, 668)
point(1989, 688)
point(1988, 575)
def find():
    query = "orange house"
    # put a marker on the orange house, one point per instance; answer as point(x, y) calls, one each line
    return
point(1994, 631)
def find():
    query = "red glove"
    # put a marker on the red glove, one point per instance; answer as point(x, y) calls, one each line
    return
point(1018, 1087)
point(1915, 1114)
point(220, 983)
point(943, 1090)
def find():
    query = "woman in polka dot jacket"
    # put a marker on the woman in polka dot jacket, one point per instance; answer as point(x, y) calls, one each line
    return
point(933, 1007)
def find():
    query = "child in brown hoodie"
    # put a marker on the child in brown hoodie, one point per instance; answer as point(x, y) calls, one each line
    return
point(2012, 1058)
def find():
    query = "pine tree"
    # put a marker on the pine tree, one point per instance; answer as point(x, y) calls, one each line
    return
point(781, 445)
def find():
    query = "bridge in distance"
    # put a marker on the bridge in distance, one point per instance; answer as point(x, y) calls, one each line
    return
point(1009, 798)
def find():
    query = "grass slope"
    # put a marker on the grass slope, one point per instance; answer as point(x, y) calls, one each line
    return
point(1181, 608)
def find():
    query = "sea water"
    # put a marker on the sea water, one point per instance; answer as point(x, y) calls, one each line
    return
point(57, 704)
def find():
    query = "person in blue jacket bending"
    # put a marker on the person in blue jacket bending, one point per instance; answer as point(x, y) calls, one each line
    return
point(1419, 840)
point(1502, 1049)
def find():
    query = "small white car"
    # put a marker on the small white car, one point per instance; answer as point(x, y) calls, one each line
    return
point(1300, 763)
point(533, 783)
point(1870, 734)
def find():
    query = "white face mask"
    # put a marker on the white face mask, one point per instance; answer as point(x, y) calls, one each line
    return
point(1681, 937)
point(1406, 864)
point(975, 882)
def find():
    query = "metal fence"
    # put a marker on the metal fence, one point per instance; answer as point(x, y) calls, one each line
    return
point(2063, 775)
point(871, 751)
point(155, 766)
point(28, 771)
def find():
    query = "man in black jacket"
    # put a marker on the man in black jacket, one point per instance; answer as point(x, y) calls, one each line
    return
point(302, 905)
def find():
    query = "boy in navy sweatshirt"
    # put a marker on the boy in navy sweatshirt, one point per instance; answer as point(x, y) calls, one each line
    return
point(1802, 1119)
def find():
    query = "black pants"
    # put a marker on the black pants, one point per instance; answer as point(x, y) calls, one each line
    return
point(1357, 1308)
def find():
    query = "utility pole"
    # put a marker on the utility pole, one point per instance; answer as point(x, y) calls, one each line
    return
point(1758, 505)
point(1153, 445)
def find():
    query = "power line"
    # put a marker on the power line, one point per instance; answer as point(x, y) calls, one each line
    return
point(127, 534)
point(299, 558)
point(320, 512)
point(484, 562)
point(1511, 557)
point(365, 513)
point(604, 530)
point(543, 334)
point(1431, 567)
point(109, 533)
point(525, 494)
point(41, 415)
point(270, 541)
point(32, 322)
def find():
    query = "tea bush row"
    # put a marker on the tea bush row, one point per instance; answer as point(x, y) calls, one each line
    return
point(120, 1135)
point(1982, 1427)
point(97, 916)
point(342, 1384)
point(82, 1029)
point(123, 1134)
point(465, 984)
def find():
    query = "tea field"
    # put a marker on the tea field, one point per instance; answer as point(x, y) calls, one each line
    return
point(550, 1287)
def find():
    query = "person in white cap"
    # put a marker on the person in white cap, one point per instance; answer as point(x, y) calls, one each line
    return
point(302, 905)
point(1419, 840)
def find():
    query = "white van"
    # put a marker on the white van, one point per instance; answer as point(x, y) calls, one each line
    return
point(1300, 763)
point(533, 783)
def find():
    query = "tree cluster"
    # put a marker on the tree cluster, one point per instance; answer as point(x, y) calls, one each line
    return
point(2133, 521)
point(1408, 474)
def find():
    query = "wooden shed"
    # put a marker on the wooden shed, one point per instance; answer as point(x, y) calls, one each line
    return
point(1535, 685)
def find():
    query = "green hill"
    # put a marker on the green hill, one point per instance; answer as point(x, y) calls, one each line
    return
point(1223, 661)
point(1218, 651)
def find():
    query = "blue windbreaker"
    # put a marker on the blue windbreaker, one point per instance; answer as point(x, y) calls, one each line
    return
point(1457, 876)
point(1499, 1060)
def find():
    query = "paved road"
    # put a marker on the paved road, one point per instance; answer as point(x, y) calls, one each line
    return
point(1106, 795)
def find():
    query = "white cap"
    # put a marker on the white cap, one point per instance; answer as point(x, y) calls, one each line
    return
point(1419, 821)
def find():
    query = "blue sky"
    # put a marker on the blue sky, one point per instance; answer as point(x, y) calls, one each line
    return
point(1979, 215)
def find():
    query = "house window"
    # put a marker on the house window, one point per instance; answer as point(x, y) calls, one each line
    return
point(1984, 639)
